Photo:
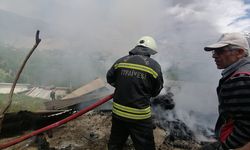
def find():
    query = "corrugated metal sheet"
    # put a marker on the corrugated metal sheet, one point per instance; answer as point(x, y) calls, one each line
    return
point(44, 93)
point(87, 94)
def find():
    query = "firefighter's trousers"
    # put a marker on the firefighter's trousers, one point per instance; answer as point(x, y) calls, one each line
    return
point(141, 133)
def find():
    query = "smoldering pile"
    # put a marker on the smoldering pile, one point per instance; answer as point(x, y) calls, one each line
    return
point(178, 133)
point(91, 131)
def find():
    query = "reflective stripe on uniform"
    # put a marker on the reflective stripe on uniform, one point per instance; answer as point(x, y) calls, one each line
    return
point(137, 67)
point(132, 110)
point(131, 113)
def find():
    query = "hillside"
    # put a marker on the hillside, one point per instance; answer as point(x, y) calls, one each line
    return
point(51, 67)
point(14, 27)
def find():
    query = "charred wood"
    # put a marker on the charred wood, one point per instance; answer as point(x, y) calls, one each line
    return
point(16, 123)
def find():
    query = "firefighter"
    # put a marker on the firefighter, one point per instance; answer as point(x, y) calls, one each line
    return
point(136, 78)
point(232, 129)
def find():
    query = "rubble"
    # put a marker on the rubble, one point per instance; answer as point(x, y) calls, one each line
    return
point(91, 131)
point(17, 123)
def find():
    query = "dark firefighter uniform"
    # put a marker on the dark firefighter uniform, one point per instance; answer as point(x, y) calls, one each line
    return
point(136, 78)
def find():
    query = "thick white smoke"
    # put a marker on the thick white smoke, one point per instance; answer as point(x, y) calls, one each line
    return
point(96, 33)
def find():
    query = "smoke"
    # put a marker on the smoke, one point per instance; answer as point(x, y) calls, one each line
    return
point(92, 34)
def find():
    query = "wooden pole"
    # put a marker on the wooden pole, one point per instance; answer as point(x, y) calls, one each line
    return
point(38, 40)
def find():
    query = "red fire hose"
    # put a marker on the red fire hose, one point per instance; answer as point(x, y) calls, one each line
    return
point(63, 121)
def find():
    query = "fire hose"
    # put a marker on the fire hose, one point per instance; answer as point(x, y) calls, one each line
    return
point(56, 124)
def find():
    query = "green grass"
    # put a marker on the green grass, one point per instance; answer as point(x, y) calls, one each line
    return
point(21, 102)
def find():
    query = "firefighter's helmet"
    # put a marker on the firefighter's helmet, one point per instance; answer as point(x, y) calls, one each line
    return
point(147, 41)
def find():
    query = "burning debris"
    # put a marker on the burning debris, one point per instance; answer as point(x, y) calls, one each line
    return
point(91, 131)
point(25, 121)
point(164, 101)
point(179, 134)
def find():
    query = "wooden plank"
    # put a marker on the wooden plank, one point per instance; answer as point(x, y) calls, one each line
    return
point(93, 85)
point(48, 111)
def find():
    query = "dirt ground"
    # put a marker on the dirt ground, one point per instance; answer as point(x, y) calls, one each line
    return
point(91, 132)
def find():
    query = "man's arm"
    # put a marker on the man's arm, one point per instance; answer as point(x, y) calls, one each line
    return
point(158, 84)
point(236, 104)
point(111, 76)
